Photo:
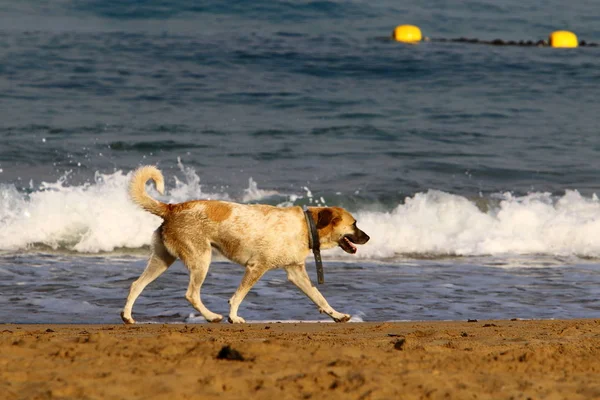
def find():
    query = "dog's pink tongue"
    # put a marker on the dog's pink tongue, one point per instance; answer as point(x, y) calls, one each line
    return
point(352, 246)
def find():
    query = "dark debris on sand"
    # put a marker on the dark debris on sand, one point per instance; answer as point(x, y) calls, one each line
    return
point(228, 353)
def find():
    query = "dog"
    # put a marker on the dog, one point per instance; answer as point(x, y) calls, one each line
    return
point(256, 236)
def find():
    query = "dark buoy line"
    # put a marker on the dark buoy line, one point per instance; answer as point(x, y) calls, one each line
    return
point(558, 39)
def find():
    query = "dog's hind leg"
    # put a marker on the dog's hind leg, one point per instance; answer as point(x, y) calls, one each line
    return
point(198, 265)
point(158, 263)
point(251, 276)
point(298, 276)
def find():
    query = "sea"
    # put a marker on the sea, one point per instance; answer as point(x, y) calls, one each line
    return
point(474, 168)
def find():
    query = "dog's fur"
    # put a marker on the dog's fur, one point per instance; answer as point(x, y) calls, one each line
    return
point(259, 237)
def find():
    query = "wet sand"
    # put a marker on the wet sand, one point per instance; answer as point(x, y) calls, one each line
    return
point(411, 360)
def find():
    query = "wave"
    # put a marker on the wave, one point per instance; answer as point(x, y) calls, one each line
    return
point(98, 217)
point(436, 223)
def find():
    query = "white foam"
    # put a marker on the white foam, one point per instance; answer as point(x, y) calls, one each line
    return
point(253, 193)
point(438, 223)
point(99, 217)
point(190, 188)
point(90, 218)
point(96, 216)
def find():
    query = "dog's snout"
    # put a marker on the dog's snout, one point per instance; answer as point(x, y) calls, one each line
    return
point(362, 237)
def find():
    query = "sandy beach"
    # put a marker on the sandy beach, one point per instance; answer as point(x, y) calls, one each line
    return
point(407, 360)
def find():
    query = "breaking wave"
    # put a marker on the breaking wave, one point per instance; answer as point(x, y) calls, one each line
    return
point(99, 217)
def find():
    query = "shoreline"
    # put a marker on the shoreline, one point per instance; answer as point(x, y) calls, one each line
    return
point(552, 359)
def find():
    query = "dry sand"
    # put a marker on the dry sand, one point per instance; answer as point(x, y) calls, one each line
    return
point(412, 360)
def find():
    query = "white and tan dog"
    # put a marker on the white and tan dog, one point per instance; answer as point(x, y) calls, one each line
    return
point(259, 237)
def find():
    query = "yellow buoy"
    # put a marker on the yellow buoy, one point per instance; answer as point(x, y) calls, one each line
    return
point(563, 39)
point(407, 34)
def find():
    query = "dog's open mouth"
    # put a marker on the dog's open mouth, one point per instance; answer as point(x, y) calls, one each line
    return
point(347, 245)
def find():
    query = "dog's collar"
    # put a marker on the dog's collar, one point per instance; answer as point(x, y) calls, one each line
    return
point(314, 244)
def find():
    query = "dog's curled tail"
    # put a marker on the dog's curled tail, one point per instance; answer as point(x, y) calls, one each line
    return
point(137, 190)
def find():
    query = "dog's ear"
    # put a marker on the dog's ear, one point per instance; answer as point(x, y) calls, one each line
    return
point(325, 217)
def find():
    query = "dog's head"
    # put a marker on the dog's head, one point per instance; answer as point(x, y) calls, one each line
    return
point(337, 227)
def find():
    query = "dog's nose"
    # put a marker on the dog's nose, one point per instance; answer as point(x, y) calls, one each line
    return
point(365, 237)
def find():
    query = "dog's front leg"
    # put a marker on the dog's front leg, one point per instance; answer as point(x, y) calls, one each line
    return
point(298, 276)
point(252, 275)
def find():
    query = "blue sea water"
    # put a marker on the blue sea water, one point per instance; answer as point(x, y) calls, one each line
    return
point(472, 167)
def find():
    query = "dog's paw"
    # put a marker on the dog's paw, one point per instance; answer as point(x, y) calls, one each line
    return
point(341, 318)
point(127, 320)
point(215, 318)
point(236, 320)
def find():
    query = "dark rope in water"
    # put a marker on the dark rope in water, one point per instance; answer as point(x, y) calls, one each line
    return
point(500, 42)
